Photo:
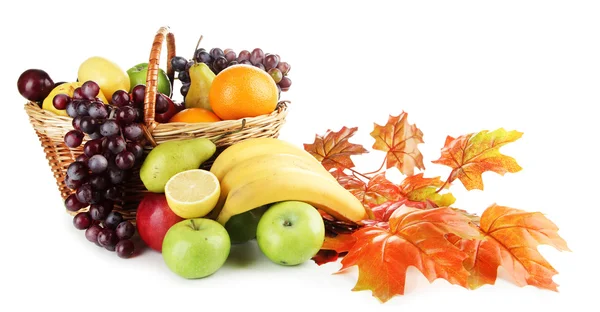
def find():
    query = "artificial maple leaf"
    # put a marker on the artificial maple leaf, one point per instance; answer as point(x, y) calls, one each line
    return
point(399, 140)
point(473, 154)
point(417, 188)
point(383, 212)
point(376, 191)
point(340, 243)
point(333, 149)
point(415, 238)
point(511, 238)
point(325, 256)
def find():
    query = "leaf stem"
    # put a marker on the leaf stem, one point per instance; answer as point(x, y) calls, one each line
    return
point(360, 174)
point(381, 167)
point(446, 182)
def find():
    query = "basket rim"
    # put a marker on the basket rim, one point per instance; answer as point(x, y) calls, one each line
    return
point(280, 111)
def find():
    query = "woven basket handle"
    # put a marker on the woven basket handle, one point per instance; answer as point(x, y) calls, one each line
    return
point(152, 77)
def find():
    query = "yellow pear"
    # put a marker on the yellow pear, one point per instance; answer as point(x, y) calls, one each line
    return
point(66, 88)
point(201, 78)
point(107, 74)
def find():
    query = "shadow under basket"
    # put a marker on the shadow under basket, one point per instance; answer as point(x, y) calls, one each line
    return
point(51, 129)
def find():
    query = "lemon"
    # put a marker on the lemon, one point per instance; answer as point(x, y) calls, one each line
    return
point(106, 73)
point(192, 193)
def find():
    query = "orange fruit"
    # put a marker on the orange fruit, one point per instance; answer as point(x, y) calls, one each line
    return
point(242, 91)
point(195, 114)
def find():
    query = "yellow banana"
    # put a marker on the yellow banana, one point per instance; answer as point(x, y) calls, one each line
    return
point(252, 147)
point(263, 165)
point(293, 184)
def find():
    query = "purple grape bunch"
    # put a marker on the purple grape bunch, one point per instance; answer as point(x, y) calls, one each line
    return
point(114, 148)
point(217, 60)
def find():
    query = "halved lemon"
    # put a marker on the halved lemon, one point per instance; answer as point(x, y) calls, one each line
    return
point(192, 193)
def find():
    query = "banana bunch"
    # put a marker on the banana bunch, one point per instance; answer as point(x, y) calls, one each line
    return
point(262, 171)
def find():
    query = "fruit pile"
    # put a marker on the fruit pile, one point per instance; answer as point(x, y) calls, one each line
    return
point(298, 204)
point(106, 107)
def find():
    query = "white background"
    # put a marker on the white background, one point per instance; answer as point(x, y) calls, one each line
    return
point(455, 66)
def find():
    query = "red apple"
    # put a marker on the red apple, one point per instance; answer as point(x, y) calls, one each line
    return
point(154, 218)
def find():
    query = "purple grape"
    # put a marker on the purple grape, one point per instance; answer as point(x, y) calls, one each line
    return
point(83, 108)
point(108, 239)
point(112, 193)
point(91, 234)
point(246, 62)
point(98, 181)
point(284, 67)
point(98, 110)
point(162, 104)
point(78, 94)
point(97, 163)
point(116, 175)
point(202, 57)
point(257, 56)
point(71, 110)
point(90, 90)
point(88, 124)
point(260, 65)
point(138, 93)
point(120, 98)
point(184, 77)
point(82, 220)
point(109, 127)
point(60, 101)
point(133, 132)
point(125, 230)
point(271, 61)
point(185, 88)
point(178, 63)
point(73, 138)
point(96, 135)
point(100, 211)
point(285, 83)
point(137, 149)
point(220, 63)
point(126, 115)
point(243, 56)
point(84, 193)
point(76, 123)
point(216, 52)
point(125, 248)
point(77, 170)
point(92, 147)
point(230, 55)
point(73, 204)
point(82, 158)
point(125, 160)
point(112, 220)
point(116, 144)
point(72, 184)
point(189, 65)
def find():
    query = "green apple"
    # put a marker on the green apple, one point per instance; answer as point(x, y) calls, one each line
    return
point(196, 248)
point(290, 232)
point(242, 227)
point(137, 75)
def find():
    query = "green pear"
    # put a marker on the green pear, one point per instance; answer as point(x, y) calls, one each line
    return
point(201, 78)
point(170, 158)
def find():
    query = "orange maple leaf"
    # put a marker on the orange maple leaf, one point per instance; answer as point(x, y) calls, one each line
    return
point(415, 238)
point(473, 154)
point(511, 238)
point(417, 188)
point(333, 149)
point(375, 191)
point(399, 140)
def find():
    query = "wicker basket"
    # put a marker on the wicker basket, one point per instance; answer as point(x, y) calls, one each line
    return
point(51, 129)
